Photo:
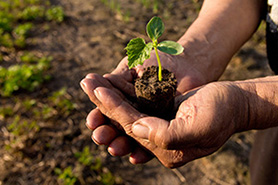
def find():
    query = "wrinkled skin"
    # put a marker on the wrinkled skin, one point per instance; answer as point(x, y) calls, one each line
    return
point(122, 78)
point(203, 123)
point(204, 120)
point(182, 66)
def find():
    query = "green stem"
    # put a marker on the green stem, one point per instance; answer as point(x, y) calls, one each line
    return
point(159, 64)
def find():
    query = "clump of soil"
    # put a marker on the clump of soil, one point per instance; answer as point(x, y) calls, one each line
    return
point(154, 97)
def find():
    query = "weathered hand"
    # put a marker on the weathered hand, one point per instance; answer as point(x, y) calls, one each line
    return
point(122, 78)
point(107, 133)
point(206, 118)
point(182, 66)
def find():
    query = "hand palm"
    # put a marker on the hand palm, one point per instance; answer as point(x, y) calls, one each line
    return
point(187, 76)
point(195, 132)
point(122, 80)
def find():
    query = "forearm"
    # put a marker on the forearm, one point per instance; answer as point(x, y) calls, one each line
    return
point(261, 102)
point(221, 28)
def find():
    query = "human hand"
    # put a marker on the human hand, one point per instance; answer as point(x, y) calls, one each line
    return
point(183, 66)
point(122, 78)
point(107, 131)
point(206, 118)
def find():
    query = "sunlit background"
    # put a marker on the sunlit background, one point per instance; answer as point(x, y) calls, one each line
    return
point(47, 47)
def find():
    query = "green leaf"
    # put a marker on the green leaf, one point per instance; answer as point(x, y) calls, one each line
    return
point(170, 47)
point(138, 51)
point(155, 28)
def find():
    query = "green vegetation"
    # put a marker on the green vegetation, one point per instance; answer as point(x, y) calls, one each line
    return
point(123, 11)
point(153, 4)
point(55, 13)
point(22, 72)
point(116, 7)
point(58, 104)
point(107, 178)
point(5, 112)
point(16, 17)
point(23, 77)
point(33, 12)
point(20, 130)
point(87, 161)
point(138, 51)
point(60, 100)
point(66, 175)
point(86, 158)
point(21, 127)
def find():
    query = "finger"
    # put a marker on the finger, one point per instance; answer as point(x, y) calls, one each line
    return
point(113, 106)
point(152, 60)
point(104, 135)
point(100, 79)
point(92, 81)
point(123, 83)
point(140, 155)
point(139, 70)
point(164, 134)
point(122, 77)
point(122, 67)
point(126, 115)
point(90, 84)
point(94, 119)
point(117, 109)
point(121, 146)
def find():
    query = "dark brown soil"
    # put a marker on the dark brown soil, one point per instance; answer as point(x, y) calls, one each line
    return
point(154, 97)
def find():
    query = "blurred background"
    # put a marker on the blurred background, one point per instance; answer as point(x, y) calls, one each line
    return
point(48, 46)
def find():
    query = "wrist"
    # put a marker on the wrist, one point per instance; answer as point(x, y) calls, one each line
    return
point(261, 103)
point(208, 53)
point(216, 35)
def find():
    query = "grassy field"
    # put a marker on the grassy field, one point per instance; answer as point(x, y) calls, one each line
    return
point(47, 47)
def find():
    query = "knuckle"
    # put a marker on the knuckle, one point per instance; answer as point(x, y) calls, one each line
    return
point(175, 159)
point(127, 127)
point(92, 75)
point(165, 142)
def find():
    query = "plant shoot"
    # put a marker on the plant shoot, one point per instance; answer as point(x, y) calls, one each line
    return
point(138, 50)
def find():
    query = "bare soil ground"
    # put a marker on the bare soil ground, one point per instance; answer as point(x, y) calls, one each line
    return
point(91, 39)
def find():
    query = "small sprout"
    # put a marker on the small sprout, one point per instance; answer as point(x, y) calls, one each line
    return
point(25, 77)
point(5, 39)
point(67, 176)
point(23, 29)
point(29, 58)
point(138, 50)
point(55, 13)
point(32, 12)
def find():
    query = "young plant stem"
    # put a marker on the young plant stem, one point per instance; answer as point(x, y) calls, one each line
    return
point(138, 51)
point(159, 64)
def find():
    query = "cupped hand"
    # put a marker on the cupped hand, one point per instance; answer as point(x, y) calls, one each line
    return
point(206, 118)
point(108, 131)
point(121, 80)
point(184, 68)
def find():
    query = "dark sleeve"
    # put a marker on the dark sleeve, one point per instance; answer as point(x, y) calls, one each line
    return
point(272, 44)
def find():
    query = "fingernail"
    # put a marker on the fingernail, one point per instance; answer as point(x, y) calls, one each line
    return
point(111, 151)
point(98, 95)
point(88, 125)
point(94, 139)
point(83, 86)
point(141, 131)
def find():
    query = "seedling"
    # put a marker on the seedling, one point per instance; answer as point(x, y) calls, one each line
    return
point(55, 13)
point(138, 51)
point(67, 175)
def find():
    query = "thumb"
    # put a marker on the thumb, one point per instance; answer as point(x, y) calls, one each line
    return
point(164, 134)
